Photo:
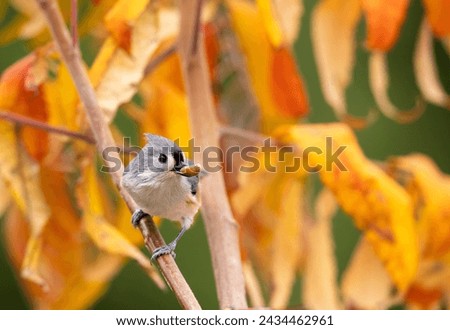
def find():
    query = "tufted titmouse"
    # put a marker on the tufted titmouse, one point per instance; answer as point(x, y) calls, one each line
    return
point(163, 183)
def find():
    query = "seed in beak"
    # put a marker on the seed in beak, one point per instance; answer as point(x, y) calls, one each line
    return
point(191, 170)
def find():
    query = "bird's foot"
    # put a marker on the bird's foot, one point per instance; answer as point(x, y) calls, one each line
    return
point(137, 216)
point(165, 249)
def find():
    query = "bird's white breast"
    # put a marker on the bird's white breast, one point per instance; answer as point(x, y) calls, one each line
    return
point(168, 197)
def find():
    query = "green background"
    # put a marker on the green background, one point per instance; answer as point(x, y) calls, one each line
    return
point(131, 289)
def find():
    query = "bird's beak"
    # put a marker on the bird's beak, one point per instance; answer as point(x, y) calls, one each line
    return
point(189, 170)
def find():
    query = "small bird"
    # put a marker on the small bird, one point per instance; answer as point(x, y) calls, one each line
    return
point(163, 183)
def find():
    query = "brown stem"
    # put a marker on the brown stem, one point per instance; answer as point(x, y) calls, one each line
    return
point(22, 120)
point(74, 21)
point(104, 139)
point(221, 227)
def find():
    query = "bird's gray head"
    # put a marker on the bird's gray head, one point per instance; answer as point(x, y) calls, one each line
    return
point(159, 157)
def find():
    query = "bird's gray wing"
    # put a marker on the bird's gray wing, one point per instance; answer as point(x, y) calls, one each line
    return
point(193, 180)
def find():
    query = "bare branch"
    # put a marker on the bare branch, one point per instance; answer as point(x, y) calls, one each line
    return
point(22, 120)
point(74, 21)
point(158, 59)
point(104, 139)
point(221, 227)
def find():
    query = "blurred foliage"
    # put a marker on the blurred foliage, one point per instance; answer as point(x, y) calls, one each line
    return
point(380, 140)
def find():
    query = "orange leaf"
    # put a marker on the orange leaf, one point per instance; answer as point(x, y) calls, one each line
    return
point(262, 61)
point(212, 47)
point(62, 258)
point(27, 100)
point(419, 297)
point(438, 16)
point(384, 21)
point(286, 85)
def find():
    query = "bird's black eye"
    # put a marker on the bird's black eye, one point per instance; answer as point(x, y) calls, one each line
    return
point(162, 158)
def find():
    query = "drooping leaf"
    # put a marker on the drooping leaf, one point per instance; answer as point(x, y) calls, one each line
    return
point(270, 215)
point(430, 191)
point(36, 20)
point(116, 73)
point(320, 289)
point(27, 99)
point(365, 282)
point(61, 256)
point(436, 11)
point(267, 67)
point(379, 206)
point(384, 21)
point(166, 111)
point(103, 234)
point(281, 20)
point(21, 175)
point(379, 84)
point(333, 25)
point(121, 18)
point(425, 69)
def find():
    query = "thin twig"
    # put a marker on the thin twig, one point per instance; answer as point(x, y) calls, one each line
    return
point(221, 227)
point(74, 21)
point(198, 12)
point(22, 120)
point(104, 139)
point(158, 59)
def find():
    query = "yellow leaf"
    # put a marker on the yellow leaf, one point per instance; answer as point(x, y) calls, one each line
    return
point(425, 69)
point(269, 68)
point(5, 198)
point(62, 100)
point(430, 191)
point(36, 20)
point(10, 31)
point(22, 177)
point(116, 73)
point(384, 21)
point(365, 282)
point(379, 84)
point(166, 109)
point(281, 20)
point(103, 234)
point(59, 256)
point(380, 207)
point(120, 18)
point(320, 289)
point(271, 225)
point(333, 38)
